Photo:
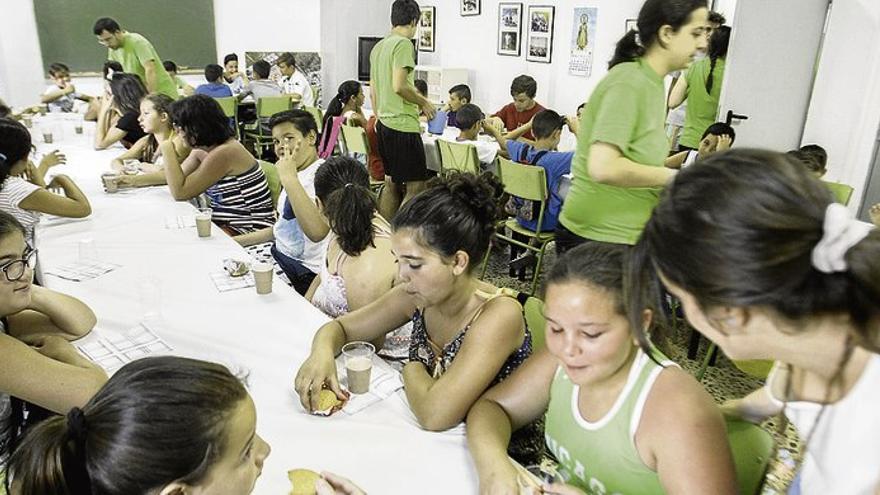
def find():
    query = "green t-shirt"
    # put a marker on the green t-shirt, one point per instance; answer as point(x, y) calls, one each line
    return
point(393, 52)
point(628, 110)
point(702, 107)
point(136, 50)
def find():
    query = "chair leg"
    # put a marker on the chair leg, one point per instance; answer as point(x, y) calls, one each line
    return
point(711, 350)
point(693, 344)
point(538, 268)
point(486, 258)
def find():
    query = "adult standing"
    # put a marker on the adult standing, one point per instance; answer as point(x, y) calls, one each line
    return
point(137, 56)
point(397, 103)
point(293, 81)
point(618, 164)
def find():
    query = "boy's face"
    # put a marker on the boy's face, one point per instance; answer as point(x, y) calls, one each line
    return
point(62, 79)
point(455, 102)
point(285, 69)
point(232, 66)
point(523, 102)
point(708, 145)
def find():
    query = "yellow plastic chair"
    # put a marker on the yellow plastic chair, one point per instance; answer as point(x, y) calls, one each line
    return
point(752, 448)
point(842, 192)
point(534, 313)
point(274, 180)
point(758, 368)
point(458, 156)
point(528, 182)
point(354, 140)
point(229, 104)
point(317, 114)
point(267, 106)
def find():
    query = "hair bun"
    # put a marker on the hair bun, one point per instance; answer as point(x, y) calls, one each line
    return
point(480, 193)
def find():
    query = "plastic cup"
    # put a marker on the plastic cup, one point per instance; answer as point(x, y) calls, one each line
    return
point(131, 166)
point(110, 182)
point(262, 277)
point(203, 222)
point(358, 357)
point(438, 124)
point(28, 121)
point(48, 137)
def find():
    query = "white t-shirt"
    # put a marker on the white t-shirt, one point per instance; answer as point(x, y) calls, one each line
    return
point(298, 84)
point(486, 150)
point(289, 237)
point(13, 191)
point(844, 452)
point(63, 104)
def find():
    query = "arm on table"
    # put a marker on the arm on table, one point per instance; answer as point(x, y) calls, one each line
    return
point(74, 204)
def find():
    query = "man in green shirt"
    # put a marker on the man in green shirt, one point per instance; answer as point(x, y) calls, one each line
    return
point(137, 56)
point(396, 103)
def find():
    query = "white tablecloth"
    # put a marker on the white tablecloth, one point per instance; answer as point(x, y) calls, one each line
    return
point(267, 337)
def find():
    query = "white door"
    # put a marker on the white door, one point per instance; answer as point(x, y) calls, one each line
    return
point(769, 72)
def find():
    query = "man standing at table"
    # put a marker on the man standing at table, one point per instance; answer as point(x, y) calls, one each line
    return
point(137, 56)
point(397, 102)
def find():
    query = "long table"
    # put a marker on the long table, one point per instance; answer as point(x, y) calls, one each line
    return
point(265, 337)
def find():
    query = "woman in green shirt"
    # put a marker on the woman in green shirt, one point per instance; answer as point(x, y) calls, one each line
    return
point(618, 165)
point(616, 420)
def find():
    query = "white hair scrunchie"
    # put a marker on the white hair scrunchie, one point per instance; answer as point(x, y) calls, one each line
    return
point(840, 232)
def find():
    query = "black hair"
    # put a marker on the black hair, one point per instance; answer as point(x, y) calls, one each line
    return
point(404, 12)
point(128, 91)
point(156, 421)
point(463, 91)
point(287, 58)
point(653, 15)
point(750, 242)
point(169, 66)
point(524, 84)
point(106, 24)
point(213, 72)
point(468, 116)
point(262, 69)
point(816, 152)
point(717, 18)
point(718, 44)
point(9, 224)
point(597, 264)
point(808, 160)
point(202, 120)
point(422, 87)
point(162, 104)
point(719, 129)
point(343, 186)
point(57, 68)
point(111, 65)
point(347, 91)
point(545, 123)
point(456, 212)
point(15, 145)
point(302, 120)
point(230, 57)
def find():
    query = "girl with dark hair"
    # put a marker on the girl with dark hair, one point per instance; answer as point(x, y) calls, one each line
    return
point(23, 191)
point(344, 109)
point(767, 266)
point(618, 164)
point(218, 166)
point(618, 419)
point(39, 364)
point(701, 87)
point(126, 93)
point(467, 335)
point(155, 120)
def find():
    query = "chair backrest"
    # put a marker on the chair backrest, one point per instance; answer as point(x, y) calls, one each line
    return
point(229, 105)
point(752, 448)
point(533, 309)
point(327, 144)
point(316, 114)
point(842, 192)
point(268, 106)
point(355, 139)
point(458, 156)
point(523, 181)
point(274, 180)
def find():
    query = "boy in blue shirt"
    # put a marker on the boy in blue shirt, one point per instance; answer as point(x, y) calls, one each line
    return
point(215, 87)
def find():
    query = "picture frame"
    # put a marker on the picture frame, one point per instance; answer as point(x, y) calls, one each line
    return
point(631, 24)
point(540, 20)
point(509, 29)
point(427, 28)
point(470, 7)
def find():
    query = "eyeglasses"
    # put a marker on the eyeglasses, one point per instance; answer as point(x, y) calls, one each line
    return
point(15, 269)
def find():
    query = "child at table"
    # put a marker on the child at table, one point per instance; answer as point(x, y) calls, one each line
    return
point(61, 96)
point(126, 93)
point(467, 334)
point(717, 137)
point(24, 193)
point(182, 86)
point(40, 366)
point(459, 95)
point(344, 109)
point(469, 121)
point(523, 107)
point(231, 75)
point(215, 88)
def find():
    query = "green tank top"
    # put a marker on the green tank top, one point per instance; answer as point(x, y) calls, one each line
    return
point(600, 457)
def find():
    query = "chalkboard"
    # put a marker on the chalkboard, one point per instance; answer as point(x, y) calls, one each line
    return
point(182, 31)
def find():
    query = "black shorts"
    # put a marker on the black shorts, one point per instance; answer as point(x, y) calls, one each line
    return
point(403, 154)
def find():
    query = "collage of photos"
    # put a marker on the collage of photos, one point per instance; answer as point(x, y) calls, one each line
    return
point(540, 33)
point(509, 28)
point(427, 29)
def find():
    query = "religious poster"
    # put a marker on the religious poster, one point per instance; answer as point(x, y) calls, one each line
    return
point(583, 36)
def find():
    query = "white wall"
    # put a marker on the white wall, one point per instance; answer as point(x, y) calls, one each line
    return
point(21, 63)
point(844, 110)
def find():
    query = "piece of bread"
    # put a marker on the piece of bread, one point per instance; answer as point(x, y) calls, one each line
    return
point(303, 481)
point(328, 403)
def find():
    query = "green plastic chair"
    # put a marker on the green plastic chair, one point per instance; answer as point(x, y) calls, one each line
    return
point(458, 156)
point(842, 192)
point(534, 312)
point(355, 139)
point(274, 180)
point(316, 114)
point(528, 182)
point(267, 106)
point(229, 104)
point(752, 448)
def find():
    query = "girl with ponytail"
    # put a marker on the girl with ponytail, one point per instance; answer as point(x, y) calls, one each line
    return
point(344, 109)
point(768, 266)
point(701, 87)
point(466, 335)
point(622, 144)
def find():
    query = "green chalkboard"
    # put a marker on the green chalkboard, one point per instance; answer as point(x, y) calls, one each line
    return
point(180, 30)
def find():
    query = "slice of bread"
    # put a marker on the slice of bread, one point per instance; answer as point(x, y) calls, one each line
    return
point(303, 481)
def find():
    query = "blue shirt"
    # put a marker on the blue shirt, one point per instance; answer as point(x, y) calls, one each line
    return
point(556, 164)
point(451, 121)
point(214, 90)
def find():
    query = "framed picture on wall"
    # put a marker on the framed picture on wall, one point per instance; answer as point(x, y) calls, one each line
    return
point(540, 33)
point(509, 28)
point(631, 25)
point(470, 7)
point(426, 29)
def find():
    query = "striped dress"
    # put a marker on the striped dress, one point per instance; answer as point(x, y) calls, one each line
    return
point(242, 203)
